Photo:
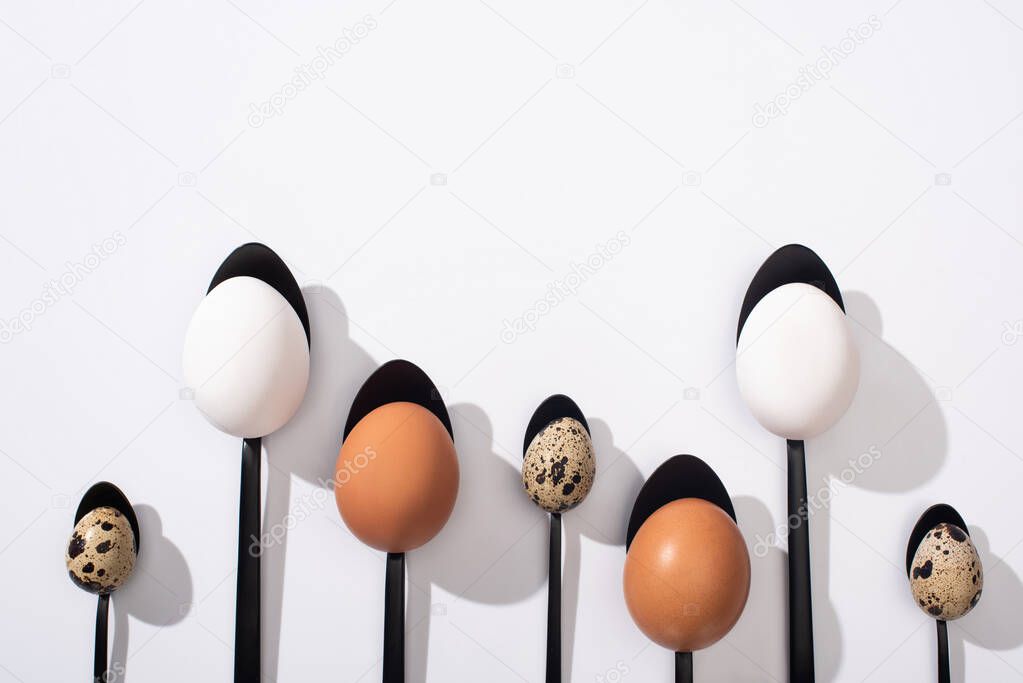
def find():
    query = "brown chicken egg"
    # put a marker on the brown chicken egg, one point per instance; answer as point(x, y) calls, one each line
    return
point(396, 477)
point(687, 575)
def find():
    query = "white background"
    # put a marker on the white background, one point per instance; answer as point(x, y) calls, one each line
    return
point(553, 127)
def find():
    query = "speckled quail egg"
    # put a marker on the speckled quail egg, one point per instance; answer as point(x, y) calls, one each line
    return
point(946, 575)
point(559, 466)
point(101, 553)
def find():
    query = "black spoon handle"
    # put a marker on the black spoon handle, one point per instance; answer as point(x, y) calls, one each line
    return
point(683, 667)
point(246, 621)
point(99, 667)
point(800, 604)
point(554, 602)
point(943, 672)
point(394, 619)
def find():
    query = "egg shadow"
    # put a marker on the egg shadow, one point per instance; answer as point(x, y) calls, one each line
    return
point(508, 536)
point(307, 447)
point(472, 556)
point(761, 635)
point(994, 623)
point(894, 410)
point(158, 593)
point(892, 439)
point(603, 516)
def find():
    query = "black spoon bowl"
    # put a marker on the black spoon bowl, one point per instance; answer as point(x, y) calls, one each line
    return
point(393, 382)
point(105, 494)
point(788, 264)
point(553, 408)
point(932, 517)
point(261, 262)
point(681, 476)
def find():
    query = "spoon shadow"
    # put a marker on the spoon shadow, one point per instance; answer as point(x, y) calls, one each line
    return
point(894, 411)
point(892, 439)
point(508, 562)
point(490, 515)
point(603, 516)
point(307, 447)
point(994, 622)
point(159, 592)
point(759, 636)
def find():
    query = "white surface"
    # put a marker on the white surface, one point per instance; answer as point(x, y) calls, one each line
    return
point(130, 123)
point(796, 363)
point(246, 358)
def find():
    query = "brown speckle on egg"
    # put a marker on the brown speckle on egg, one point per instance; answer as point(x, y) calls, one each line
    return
point(946, 575)
point(101, 553)
point(559, 466)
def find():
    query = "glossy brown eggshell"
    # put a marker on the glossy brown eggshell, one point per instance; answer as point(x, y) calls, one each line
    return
point(687, 575)
point(396, 477)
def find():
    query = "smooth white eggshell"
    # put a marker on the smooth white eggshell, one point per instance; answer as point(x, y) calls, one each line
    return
point(246, 358)
point(796, 362)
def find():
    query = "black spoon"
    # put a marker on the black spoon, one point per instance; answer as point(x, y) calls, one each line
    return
point(256, 262)
point(397, 381)
point(100, 495)
point(679, 477)
point(933, 520)
point(788, 265)
point(557, 485)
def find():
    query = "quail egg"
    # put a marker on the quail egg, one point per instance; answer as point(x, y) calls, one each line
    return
point(946, 575)
point(559, 465)
point(101, 553)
